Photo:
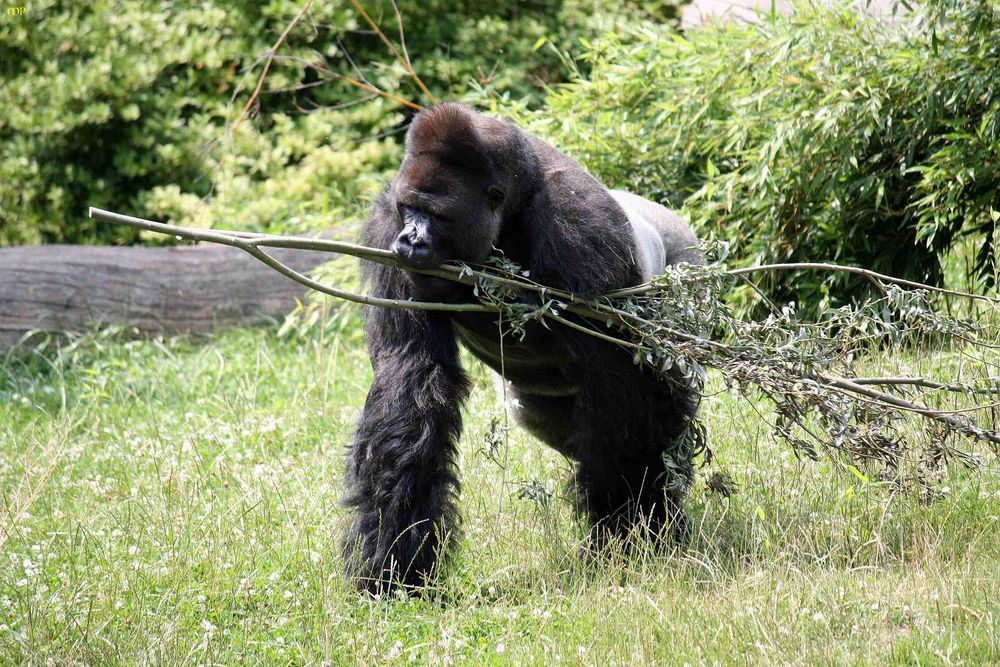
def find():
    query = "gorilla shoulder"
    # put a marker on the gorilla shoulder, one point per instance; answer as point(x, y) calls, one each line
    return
point(662, 237)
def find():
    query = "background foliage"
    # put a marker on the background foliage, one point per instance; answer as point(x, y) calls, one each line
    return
point(820, 136)
point(127, 106)
point(823, 136)
point(172, 500)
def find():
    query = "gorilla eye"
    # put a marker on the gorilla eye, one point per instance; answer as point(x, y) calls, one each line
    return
point(495, 196)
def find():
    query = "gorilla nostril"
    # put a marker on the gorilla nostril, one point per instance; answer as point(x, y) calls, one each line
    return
point(410, 236)
point(402, 245)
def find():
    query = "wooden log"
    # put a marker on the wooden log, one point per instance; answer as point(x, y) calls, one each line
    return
point(188, 289)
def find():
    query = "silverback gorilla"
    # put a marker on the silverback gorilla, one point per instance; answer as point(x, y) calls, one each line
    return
point(469, 186)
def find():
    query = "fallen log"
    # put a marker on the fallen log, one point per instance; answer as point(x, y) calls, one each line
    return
point(186, 289)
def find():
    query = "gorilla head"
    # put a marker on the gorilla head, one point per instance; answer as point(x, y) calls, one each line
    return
point(453, 187)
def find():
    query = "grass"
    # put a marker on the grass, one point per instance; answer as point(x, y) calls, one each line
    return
point(175, 502)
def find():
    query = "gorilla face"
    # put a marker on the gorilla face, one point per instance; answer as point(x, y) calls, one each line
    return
point(449, 199)
point(444, 213)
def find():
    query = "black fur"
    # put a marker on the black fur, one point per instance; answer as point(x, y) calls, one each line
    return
point(468, 184)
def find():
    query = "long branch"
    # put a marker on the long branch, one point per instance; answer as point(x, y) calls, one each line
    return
point(251, 243)
point(927, 384)
point(594, 310)
point(824, 266)
point(237, 239)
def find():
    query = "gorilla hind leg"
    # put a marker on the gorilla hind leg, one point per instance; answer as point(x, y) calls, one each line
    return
point(618, 496)
point(634, 462)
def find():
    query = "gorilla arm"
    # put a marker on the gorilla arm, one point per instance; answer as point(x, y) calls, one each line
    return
point(402, 482)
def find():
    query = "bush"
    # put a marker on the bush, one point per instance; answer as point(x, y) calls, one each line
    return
point(823, 136)
point(128, 106)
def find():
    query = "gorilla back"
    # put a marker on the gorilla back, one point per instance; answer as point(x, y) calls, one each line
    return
point(469, 186)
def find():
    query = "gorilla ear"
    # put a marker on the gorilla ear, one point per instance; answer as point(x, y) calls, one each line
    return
point(494, 196)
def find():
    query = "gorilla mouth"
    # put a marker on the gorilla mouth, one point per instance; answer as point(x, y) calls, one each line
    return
point(416, 246)
point(418, 258)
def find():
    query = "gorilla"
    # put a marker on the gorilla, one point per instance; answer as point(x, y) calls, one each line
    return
point(470, 186)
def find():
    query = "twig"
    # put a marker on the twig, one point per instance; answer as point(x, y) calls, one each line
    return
point(267, 63)
point(929, 384)
point(376, 91)
point(403, 60)
point(251, 247)
point(595, 333)
point(824, 266)
point(819, 266)
point(882, 397)
point(365, 85)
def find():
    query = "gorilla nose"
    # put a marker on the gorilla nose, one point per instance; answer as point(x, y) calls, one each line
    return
point(413, 249)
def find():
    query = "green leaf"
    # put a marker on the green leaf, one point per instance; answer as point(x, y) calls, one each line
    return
point(860, 475)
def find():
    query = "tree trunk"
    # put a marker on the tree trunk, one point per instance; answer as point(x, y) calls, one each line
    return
point(189, 289)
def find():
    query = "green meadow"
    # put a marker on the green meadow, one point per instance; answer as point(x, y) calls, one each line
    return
point(175, 501)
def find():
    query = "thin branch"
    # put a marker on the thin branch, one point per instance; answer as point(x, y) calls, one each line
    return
point(760, 293)
point(595, 332)
point(267, 63)
point(882, 397)
point(819, 266)
point(350, 61)
point(364, 85)
point(294, 88)
point(377, 91)
point(403, 60)
point(873, 275)
point(928, 384)
point(251, 247)
point(399, 27)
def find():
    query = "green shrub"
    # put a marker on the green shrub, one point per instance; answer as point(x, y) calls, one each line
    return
point(128, 105)
point(823, 136)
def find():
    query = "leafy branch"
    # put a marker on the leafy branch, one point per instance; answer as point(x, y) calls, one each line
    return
point(680, 325)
